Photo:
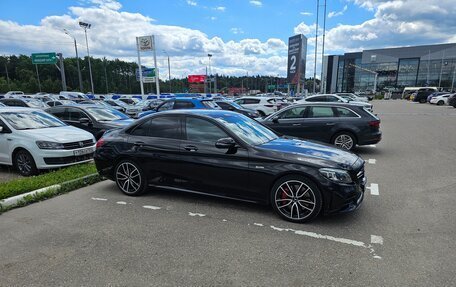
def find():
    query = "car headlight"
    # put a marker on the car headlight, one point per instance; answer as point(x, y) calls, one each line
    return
point(49, 145)
point(336, 175)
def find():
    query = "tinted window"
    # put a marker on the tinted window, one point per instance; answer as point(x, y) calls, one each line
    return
point(166, 106)
point(293, 113)
point(345, 113)
point(182, 105)
point(331, 99)
point(58, 112)
point(317, 99)
point(160, 127)
point(210, 104)
point(224, 105)
point(320, 112)
point(199, 130)
point(251, 101)
point(75, 114)
point(240, 101)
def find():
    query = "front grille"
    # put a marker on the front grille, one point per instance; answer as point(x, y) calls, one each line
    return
point(67, 159)
point(79, 144)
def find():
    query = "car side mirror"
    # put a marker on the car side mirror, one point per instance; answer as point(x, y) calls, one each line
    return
point(225, 143)
point(1, 129)
point(84, 121)
point(275, 119)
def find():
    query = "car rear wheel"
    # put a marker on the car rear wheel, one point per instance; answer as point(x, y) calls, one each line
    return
point(296, 199)
point(130, 178)
point(344, 140)
point(261, 113)
point(422, 101)
point(25, 163)
point(440, 103)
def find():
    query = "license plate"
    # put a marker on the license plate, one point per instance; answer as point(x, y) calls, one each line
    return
point(83, 151)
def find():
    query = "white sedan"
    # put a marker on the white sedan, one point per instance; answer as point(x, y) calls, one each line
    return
point(441, 100)
point(31, 139)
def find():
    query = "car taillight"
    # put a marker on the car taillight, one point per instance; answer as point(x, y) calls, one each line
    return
point(100, 143)
point(374, 124)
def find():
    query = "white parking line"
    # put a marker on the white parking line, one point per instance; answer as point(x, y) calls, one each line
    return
point(258, 224)
point(372, 161)
point(372, 145)
point(121, 202)
point(375, 239)
point(99, 199)
point(152, 207)
point(373, 189)
point(196, 214)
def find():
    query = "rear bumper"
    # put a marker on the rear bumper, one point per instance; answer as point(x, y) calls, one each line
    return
point(371, 139)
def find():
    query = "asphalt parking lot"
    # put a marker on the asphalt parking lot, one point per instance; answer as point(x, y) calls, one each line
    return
point(403, 235)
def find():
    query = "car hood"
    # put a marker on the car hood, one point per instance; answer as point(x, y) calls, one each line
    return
point(311, 153)
point(63, 134)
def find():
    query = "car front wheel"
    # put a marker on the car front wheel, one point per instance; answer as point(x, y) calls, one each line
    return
point(25, 163)
point(129, 178)
point(344, 140)
point(440, 103)
point(296, 199)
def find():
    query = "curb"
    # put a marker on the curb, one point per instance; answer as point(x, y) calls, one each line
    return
point(14, 200)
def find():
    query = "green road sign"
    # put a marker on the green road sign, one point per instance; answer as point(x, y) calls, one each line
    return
point(44, 58)
point(271, 87)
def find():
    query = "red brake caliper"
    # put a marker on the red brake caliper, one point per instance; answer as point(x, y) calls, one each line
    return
point(284, 193)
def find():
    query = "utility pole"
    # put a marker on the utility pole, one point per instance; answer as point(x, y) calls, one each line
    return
point(106, 76)
point(210, 73)
point(81, 88)
point(169, 71)
point(7, 76)
point(62, 71)
point(38, 77)
point(316, 49)
point(323, 49)
point(86, 26)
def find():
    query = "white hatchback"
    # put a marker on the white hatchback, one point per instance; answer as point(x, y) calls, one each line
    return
point(262, 105)
point(31, 139)
point(441, 100)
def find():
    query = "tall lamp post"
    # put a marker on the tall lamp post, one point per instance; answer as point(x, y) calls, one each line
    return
point(86, 26)
point(77, 58)
point(210, 73)
point(169, 70)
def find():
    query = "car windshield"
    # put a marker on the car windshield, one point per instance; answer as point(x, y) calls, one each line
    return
point(31, 120)
point(122, 104)
point(142, 103)
point(36, 104)
point(247, 129)
point(236, 105)
point(105, 114)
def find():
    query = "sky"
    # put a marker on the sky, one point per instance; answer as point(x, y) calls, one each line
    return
point(244, 36)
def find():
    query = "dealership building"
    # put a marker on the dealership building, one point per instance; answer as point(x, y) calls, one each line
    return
point(394, 68)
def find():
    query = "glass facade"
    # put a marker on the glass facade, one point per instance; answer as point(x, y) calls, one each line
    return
point(424, 66)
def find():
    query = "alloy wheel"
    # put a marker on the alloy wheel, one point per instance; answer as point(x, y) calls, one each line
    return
point(344, 141)
point(128, 178)
point(24, 163)
point(295, 200)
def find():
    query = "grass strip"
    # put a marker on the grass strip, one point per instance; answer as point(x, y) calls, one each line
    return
point(65, 187)
point(27, 184)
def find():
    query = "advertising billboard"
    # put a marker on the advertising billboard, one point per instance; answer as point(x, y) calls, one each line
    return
point(297, 52)
point(196, 78)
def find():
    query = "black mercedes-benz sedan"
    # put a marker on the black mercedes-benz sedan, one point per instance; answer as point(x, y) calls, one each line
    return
point(226, 154)
point(344, 125)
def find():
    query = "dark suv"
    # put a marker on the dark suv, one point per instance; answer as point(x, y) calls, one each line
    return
point(422, 94)
point(452, 101)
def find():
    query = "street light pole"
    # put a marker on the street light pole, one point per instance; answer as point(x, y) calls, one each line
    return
point(77, 59)
point(86, 26)
point(210, 72)
point(169, 71)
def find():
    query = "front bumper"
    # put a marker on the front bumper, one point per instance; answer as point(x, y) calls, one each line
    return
point(47, 159)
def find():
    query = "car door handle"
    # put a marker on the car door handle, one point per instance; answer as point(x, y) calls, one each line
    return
point(191, 148)
point(296, 124)
point(330, 124)
point(138, 144)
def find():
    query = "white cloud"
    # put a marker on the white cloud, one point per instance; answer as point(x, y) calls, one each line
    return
point(213, 18)
point(237, 30)
point(256, 3)
point(306, 13)
point(220, 8)
point(339, 13)
point(192, 3)
point(113, 33)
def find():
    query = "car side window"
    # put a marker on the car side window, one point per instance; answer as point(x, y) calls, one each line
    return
point(251, 101)
point(58, 112)
point(199, 130)
point(160, 127)
point(331, 99)
point(166, 106)
point(183, 105)
point(316, 99)
point(345, 113)
point(320, 112)
point(223, 105)
point(293, 113)
point(239, 102)
point(75, 114)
